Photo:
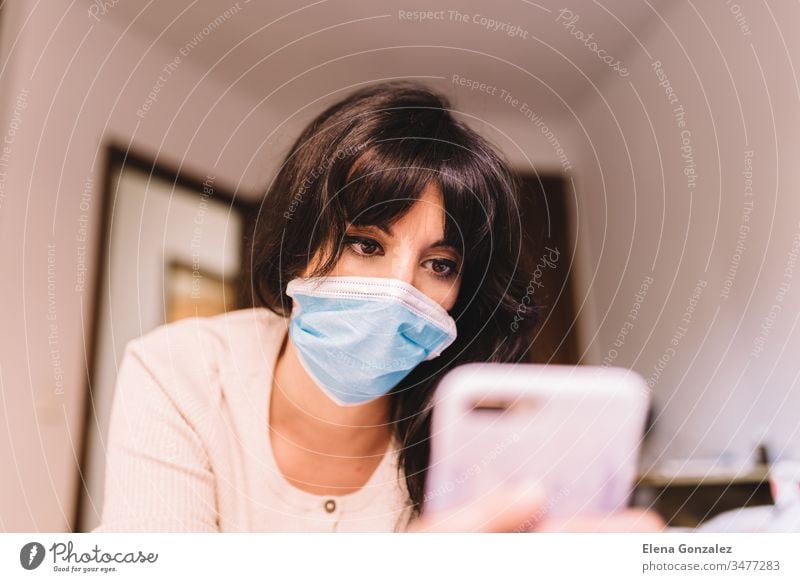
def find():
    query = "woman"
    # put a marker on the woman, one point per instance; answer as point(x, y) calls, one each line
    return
point(387, 252)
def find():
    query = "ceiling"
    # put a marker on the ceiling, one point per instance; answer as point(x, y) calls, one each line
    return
point(291, 53)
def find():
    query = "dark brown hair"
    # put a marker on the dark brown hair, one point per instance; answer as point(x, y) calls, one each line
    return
point(366, 159)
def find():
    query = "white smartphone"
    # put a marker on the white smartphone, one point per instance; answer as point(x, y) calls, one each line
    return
point(576, 430)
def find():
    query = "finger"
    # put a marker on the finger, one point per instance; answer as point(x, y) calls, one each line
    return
point(634, 520)
point(504, 510)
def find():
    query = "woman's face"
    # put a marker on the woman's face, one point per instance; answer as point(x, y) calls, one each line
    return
point(412, 251)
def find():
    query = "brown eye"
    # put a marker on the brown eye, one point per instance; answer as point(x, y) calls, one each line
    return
point(367, 247)
point(440, 267)
point(443, 268)
point(362, 245)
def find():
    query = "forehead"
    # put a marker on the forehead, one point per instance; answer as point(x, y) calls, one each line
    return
point(427, 212)
point(423, 219)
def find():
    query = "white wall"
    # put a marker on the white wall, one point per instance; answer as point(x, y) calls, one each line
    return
point(642, 219)
point(82, 82)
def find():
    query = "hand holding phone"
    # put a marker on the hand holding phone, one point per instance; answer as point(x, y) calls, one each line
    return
point(573, 430)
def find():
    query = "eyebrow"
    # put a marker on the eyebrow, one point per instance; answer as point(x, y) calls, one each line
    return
point(388, 230)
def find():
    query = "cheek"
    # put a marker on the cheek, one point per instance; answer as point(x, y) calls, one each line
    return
point(445, 293)
point(452, 296)
point(349, 264)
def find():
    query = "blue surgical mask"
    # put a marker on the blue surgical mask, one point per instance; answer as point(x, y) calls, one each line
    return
point(358, 337)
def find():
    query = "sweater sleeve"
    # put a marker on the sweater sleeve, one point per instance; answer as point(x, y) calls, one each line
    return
point(158, 476)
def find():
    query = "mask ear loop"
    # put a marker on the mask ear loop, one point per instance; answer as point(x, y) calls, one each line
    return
point(290, 292)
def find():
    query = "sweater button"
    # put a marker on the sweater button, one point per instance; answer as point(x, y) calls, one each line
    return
point(330, 506)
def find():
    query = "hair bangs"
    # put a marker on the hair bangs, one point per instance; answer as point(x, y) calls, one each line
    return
point(383, 184)
point(469, 193)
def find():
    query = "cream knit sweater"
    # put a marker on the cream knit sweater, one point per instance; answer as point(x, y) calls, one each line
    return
point(188, 447)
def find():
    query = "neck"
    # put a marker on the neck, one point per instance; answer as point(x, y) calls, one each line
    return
point(301, 412)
